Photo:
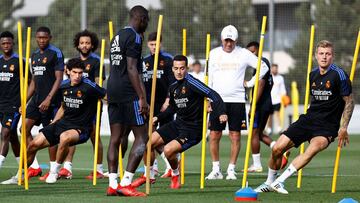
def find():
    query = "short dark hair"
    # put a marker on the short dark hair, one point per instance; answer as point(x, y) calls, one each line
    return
point(138, 11)
point(75, 63)
point(44, 29)
point(181, 58)
point(6, 34)
point(253, 43)
point(86, 33)
point(152, 37)
point(197, 62)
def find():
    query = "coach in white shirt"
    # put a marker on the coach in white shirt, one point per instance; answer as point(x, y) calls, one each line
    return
point(227, 65)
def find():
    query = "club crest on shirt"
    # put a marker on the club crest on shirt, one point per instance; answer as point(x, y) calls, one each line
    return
point(33, 62)
point(328, 84)
point(65, 92)
point(183, 90)
point(147, 65)
point(87, 68)
point(243, 124)
point(175, 93)
point(78, 93)
point(12, 67)
point(8, 123)
point(44, 60)
point(313, 84)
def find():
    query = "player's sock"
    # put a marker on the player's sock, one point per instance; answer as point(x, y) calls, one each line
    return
point(272, 144)
point(271, 176)
point(152, 174)
point(68, 166)
point(216, 166)
point(127, 178)
point(256, 160)
point(175, 172)
point(99, 168)
point(35, 164)
point(17, 159)
point(155, 166)
point(54, 167)
point(231, 167)
point(165, 160)
point(2, 159)
point(287, 173)
point(113, 180)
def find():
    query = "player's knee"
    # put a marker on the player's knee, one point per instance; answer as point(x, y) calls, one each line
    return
point(168, 152)
point(65, 140)
point(139, 150)
point(277, 151)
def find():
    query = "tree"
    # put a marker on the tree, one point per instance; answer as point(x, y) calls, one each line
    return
point(7, 8)
point(201, 17)
point(335, 20)
point(64, 21)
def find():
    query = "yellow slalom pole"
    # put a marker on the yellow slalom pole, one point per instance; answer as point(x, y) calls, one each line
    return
point(120, 160)
point(182, 161)
point(307, 92)
point(21, 70)
point(152, 102)
point(98, 112)
point(295, 100)
point(253, 105)
point(204, 130)
point(338, 151)
point(23, 126)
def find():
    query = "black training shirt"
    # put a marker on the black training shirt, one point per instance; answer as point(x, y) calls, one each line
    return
point(92, 67)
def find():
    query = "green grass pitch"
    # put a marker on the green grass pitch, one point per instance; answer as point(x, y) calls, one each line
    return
point(316, 184)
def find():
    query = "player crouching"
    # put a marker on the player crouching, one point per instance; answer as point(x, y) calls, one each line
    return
point(73, 121)
point(186, 100)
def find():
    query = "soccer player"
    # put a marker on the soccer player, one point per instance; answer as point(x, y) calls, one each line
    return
point(196, 71)
point(186, 100)
point(47, 64)
point(227, 66)
point(331, 102)
point(73, 121)
point(277, 92)
point(127, 101)
point(262, 112)
point(165, 77)
point(9, 99)
point(86, 43)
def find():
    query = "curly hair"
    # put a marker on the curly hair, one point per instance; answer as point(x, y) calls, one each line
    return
point(86, 33)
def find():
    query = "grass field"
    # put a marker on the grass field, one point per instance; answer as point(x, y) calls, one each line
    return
point(316, 185)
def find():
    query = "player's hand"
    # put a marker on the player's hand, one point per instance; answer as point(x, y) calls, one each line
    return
point(245, 83)
point(343, 137)
point(209, 109)
point(155, 120)
point(144, 107)
point(45, 104)
point(223, 118)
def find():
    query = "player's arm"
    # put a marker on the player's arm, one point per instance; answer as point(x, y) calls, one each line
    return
point(31, 89)
point(59, 113)
point(345, 119)
point(46, 103)
point(252, 62)
point(138, 85)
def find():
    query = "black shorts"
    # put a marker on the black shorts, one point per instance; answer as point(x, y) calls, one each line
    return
point(53, 131)
point(236, 113)
point(187, 136)
point(10, 120)
point(304, 129)
point(261, 118)
point(125, 113)
point(44, 118)
point(276, 107)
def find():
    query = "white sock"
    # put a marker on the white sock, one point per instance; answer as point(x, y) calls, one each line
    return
point(155, 166)
point(216, 166)
point(175, 172)
point(152, 174)
point(272, 144)
point(17, 159)
point(231, 167)
point(35, 164)
point(54, 167)
point(127, 178)
point(113, 180)
point(99, 168)
point(287, 173)
point(256, 160)
point(166, 161)
point(178, 156)
point(271, 176)
point(2, 159)
point(68, 166)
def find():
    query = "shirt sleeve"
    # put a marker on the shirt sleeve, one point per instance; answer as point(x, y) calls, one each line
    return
point(95, 90)
point(345, 84)
point(169, 110)
point(282, 86)
point(59, 64)
point(252, 62)
point(211, 69)
point(133, 45)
